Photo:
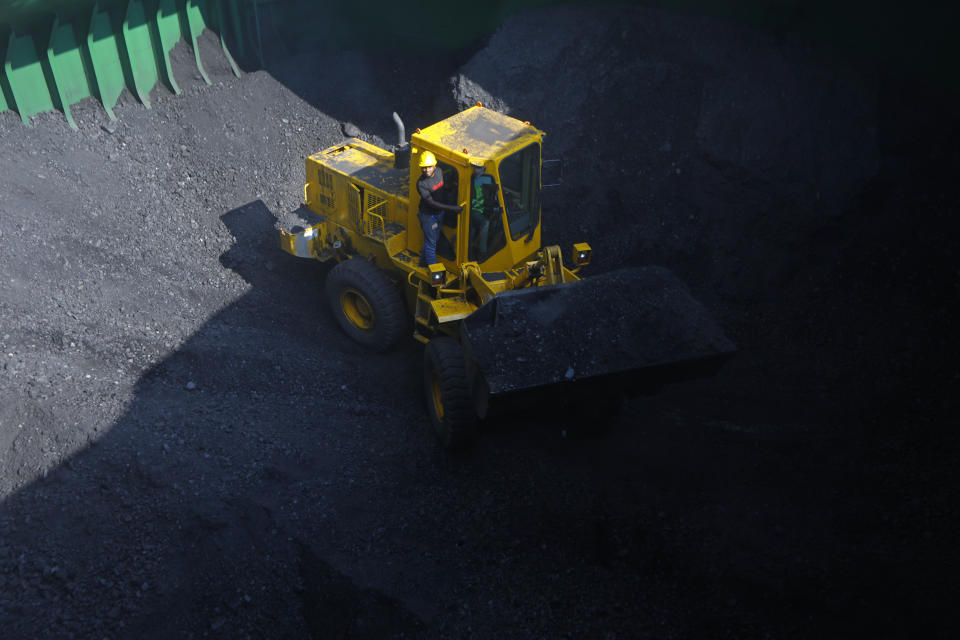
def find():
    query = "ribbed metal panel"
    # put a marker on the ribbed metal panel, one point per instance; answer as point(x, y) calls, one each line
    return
point(111, 46)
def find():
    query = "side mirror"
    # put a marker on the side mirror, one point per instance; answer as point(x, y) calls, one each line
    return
point(552, 173)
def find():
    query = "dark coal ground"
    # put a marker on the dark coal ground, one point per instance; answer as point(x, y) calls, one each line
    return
point(191, 448)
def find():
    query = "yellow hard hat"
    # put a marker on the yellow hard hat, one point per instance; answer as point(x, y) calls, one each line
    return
point(427, 159)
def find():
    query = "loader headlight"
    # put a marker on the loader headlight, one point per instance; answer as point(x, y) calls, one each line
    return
point(581, 254)
point(437, 274)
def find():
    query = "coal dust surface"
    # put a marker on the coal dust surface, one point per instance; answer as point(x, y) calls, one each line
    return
point(190, 447)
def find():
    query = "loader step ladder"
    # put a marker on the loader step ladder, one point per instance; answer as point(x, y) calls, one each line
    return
point(424, 298)
point(421, 314)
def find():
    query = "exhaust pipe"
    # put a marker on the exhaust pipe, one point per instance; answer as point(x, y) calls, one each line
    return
point(401, 134)
point(401, 157)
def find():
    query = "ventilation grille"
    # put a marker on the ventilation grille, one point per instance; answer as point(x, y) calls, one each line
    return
point(353, 203)
point(376, 204)
point(326, 190)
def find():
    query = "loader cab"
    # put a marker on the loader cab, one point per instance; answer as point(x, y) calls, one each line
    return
point(491, 166)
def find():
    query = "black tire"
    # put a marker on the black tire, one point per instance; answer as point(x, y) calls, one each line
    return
point(447, 393)
point(366, 304)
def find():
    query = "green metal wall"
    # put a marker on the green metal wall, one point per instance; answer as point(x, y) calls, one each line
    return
point(54, 61)
point(54, 53)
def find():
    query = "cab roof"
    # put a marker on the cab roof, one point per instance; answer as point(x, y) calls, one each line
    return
point(482, 132)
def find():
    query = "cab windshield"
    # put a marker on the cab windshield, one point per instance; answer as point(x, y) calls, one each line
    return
point(520, 180)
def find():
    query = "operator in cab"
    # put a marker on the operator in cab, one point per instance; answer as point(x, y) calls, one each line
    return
point(431, 211)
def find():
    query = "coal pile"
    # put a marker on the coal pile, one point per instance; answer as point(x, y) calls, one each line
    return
point(639, 319)
point(189, 447)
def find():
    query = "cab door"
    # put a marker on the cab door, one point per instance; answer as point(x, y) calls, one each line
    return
point(505, 211)
point(449, 193)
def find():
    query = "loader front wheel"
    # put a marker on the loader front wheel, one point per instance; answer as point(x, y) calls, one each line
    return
point(365, 303)
point(449, 402)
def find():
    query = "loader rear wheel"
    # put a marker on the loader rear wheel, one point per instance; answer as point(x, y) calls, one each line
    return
point(449, 402)
point(366, 304)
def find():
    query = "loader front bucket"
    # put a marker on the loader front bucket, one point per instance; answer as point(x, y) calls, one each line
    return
point(635, 328)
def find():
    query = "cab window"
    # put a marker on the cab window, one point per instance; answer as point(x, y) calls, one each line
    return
point(520, 179)
point(486, 223)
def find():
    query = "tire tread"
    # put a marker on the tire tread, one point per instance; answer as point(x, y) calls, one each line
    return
point(457, 427)
point(382, 295)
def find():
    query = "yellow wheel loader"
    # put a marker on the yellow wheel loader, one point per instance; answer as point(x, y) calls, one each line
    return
point(500, 315)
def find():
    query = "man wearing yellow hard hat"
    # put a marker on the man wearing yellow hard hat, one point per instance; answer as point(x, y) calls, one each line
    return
point(431, 211)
